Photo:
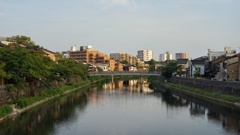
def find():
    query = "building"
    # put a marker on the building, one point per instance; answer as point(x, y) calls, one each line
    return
point(87, 55)
point(2, 45)
point(66, 54)
point(145, 55)
point(197, 66)
point(115, 56)
point(225, 67)
point(233, 67)
point(184, 63)
point(48, 53)
point(215, 54)
point(165, 56)
point(103, 66)
point(111, 65)
point(118, 66)
point(132, 60)
point(181, 56)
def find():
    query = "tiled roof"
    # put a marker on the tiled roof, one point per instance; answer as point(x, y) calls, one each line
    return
point(2, 45)
point(198, 62)
point(182, 61)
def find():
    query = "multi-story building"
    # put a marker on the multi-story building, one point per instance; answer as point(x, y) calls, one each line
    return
point(120, 56)
point(181, 56)
point(145, 55)
point(214, 55)
point(165, 56)
point(115, 56)
point(111, 65)
point(118, 66)
point(87, 55)
point(132, 60)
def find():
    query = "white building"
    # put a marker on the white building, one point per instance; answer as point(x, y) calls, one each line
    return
point(165, 56)
point(214, 55)
point(66, 54)
point(196, 66)
point(145, 55)
point(83, 48)
point(74, 48)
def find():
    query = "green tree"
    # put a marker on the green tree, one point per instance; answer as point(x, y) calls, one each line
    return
point(68, 69)
point(152, 64)
point(25, 66)
point(3, 74)
point(21, 40)
point(196, 72)
point(59, 55)
point(124, 62)
point(99, 69)
point(169, 69)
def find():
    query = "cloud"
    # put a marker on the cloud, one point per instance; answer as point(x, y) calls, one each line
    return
point(2, 15)
point(130, 4)
point(116, 2)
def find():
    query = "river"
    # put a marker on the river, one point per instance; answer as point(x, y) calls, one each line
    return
point(125, 108)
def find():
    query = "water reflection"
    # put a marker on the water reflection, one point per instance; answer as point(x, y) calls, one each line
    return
point(41, 120)
point(129, 85)
point(228, 118)
point(92, 106)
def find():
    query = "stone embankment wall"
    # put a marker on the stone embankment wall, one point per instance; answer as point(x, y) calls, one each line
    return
point(225, 87)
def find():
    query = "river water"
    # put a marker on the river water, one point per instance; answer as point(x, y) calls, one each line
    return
point(125, 108)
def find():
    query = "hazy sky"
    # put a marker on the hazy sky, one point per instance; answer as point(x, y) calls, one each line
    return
point(111, 26)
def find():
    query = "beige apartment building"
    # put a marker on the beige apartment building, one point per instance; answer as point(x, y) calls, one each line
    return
point(87, 55)
point(132, 60)
point(111, 65)
point(181, 56)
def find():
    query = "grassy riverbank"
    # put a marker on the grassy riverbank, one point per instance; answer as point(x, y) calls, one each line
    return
point(25, 103)
point(230, 99)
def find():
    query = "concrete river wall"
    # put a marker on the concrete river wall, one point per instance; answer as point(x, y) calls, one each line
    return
point(225, 87)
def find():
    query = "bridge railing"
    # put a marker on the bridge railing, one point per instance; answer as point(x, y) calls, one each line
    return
point(124, 72)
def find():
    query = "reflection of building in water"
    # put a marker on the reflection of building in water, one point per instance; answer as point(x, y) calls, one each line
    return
point(137, 86)
point(130, 85)
point(228, 122)
point(196, 109)
point(119, 84)
point(113, 86)
point(109, 86)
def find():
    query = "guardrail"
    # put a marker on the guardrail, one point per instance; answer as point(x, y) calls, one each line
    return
point(124, 73)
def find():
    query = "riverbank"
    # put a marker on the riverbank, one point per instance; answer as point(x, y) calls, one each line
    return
point(216, 97)
point(24, 104)
point(35, 101)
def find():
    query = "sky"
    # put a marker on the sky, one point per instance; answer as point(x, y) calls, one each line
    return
point(114, 26)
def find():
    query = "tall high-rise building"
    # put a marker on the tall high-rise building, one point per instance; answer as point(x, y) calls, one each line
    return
point(145, 55)
point(165, 56)
point(181, 56)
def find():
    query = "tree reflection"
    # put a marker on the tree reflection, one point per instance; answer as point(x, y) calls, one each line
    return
point(173, 100)
point(41, 121)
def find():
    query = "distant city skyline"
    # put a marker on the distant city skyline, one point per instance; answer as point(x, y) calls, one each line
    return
point(112, 26)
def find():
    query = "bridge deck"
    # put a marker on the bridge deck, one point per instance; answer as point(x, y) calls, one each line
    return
point(124, 73)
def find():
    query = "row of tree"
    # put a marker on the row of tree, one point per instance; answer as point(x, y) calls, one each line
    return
point(31, 71)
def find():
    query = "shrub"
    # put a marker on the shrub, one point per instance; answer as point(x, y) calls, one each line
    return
point(5, 109)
